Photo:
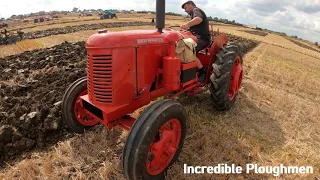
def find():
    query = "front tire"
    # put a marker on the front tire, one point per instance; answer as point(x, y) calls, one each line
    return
point(155, 141)
point(226, 77)
point(73, 114)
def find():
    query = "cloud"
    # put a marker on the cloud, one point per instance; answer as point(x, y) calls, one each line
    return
point(308, 6)
point(267, 6)
point(282, 17)
point(201, 2)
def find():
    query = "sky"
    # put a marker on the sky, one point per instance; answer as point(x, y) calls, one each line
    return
point(294, 17)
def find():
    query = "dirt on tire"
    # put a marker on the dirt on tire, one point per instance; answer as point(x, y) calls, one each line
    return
point(245, 44)
point(31, 88)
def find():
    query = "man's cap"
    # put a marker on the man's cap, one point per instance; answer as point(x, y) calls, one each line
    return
point(188, 2)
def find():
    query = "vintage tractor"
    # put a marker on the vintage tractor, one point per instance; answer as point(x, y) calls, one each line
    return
point(128, 70)
point(108, 14)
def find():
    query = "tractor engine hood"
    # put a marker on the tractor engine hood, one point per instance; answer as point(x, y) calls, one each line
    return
point(135, 38)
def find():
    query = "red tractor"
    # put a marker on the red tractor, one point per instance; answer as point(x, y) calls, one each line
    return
point(128, 70)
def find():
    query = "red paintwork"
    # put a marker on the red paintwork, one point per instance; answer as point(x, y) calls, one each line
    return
point(126, 122)
point(209, 59)
point(171, 73)
point(164, 147)
point(194, 91)
point(190, 65)
point(122, 67)
point(81, 115)
point(113, 113)
point(236, 79)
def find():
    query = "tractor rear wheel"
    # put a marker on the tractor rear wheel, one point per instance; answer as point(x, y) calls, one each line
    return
point(155, 141)
point(73, 114)
point(226, 77)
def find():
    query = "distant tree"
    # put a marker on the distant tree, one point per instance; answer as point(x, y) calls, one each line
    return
point(215, 18)
point(75, 9)
point(316, 43)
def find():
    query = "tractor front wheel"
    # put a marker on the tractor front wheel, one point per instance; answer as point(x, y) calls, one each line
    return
point(155, 141)
point(226, 77)
point(73, 114)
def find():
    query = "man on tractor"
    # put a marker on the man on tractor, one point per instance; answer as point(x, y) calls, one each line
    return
point(20, 34)
point(199, 26)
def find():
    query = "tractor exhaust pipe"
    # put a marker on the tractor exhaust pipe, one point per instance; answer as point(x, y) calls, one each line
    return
point(160, 14)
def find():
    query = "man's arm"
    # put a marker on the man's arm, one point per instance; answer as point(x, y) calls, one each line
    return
point(198, 18)
point(193, 22)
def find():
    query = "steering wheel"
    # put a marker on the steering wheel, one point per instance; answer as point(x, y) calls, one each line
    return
point(181, 30)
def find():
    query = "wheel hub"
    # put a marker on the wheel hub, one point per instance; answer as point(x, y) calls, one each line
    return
point(163, 148)
point(81, 115)
point(235, 79)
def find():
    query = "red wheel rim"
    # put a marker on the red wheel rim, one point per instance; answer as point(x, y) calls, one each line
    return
point(235, 79)
point(164, 147)
point(81, 115)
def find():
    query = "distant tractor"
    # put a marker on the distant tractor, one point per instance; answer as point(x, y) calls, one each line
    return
point(41, 19)
point(3, 25)
point(37, 20)
point(6, 38)
point(130, 69)
point(109, 14)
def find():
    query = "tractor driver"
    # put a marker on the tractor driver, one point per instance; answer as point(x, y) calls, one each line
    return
point(199, 26)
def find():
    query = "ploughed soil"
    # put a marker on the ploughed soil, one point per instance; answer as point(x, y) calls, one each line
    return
point(303, 45)
point(259, 33)
point(72, 29)
point(31, 88)
point(50, 23)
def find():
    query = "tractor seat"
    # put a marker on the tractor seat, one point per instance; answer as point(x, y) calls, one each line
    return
point(205, 50)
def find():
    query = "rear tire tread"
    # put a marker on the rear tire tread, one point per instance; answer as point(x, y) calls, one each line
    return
point(220, 77)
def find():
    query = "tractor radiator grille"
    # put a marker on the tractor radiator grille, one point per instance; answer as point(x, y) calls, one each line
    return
point(99, 71)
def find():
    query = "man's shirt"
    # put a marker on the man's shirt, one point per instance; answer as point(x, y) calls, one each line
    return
point(201, 30)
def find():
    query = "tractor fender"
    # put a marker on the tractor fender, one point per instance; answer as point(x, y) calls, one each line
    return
point(218, 43)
